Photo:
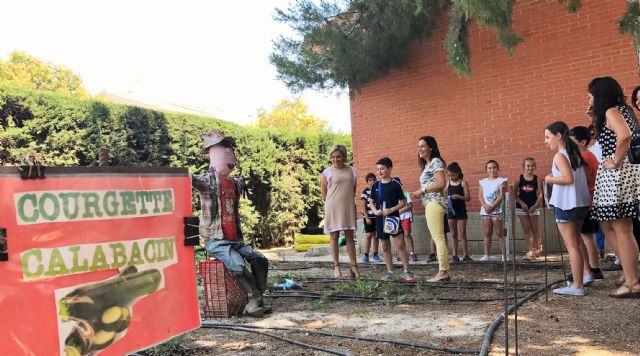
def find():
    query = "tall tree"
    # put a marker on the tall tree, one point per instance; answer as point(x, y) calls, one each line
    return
point(29, 72)
point(291, 114)
point(347, 43)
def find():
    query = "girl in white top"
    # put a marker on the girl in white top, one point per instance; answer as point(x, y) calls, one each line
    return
point(570, 199)
point(490, 195)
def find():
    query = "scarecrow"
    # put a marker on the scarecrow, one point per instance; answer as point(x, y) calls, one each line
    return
point(220, 220)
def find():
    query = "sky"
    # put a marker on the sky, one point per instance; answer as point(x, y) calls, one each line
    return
point(205, 53)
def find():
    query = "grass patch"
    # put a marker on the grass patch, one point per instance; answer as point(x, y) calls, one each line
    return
point(168, 347)
point(361, 287)
point(394, 289)
point(399, 299)
point(319, 303)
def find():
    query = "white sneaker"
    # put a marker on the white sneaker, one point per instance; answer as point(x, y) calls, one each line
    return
point(570, 290)
point(502, 258)
point(484, 258)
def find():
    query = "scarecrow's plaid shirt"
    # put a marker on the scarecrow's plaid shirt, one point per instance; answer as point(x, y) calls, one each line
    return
point(210, 216)
point(210, 222)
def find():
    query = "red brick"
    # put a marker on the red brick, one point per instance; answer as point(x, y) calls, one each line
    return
point(500, 111)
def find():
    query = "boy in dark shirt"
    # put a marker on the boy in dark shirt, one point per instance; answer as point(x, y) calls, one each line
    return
point(369, 220)
point(387, 198)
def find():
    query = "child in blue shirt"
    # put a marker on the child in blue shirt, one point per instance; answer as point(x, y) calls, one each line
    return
point(387, 198)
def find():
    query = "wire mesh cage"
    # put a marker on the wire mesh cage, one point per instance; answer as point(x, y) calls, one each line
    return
point(223, 296)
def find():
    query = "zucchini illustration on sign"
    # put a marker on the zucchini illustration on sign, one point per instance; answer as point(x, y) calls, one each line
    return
point(101, 312)
point(98, 255)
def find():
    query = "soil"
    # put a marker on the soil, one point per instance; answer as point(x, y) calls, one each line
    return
point(454, 314)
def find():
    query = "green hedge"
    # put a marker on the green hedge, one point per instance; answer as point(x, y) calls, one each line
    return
point(281, 167)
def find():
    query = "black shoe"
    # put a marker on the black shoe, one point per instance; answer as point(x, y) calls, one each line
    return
point(597, 273)
point(432, 258)
point(455, 259)
point(611, 266)
point(467, 258)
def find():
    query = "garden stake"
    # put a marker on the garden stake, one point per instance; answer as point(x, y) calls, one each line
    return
point(504, 268)
point(512, 213)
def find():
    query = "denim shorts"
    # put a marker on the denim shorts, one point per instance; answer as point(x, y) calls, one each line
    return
point(575, 214)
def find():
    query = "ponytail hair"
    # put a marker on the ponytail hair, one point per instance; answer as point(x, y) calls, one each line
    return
point(454, 168)
point(575, 158)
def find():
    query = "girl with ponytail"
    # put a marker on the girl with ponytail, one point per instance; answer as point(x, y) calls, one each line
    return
point(570, 200)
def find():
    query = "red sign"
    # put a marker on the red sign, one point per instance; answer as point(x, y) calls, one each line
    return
point(96, 261)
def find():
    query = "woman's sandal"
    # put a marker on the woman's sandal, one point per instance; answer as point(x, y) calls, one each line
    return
point(621, 280)
point(355, 273)
point(442, 278)
point(624, 291)
point(336, 272)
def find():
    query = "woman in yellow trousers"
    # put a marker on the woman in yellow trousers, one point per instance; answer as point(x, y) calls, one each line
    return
point(432, 183)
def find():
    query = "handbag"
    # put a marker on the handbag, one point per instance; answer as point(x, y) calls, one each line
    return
point(391, 224)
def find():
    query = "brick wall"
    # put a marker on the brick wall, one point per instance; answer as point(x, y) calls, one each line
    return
point(500, 111)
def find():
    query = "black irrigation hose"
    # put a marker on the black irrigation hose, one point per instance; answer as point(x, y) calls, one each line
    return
point(338, 280)
point(317, 295)
point(488, 335)
point(432, 347)
point(494, 286)
point(290, 268)
point(529, 264)
point(277, 337)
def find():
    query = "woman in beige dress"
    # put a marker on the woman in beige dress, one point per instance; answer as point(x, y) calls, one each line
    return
point(338, 191)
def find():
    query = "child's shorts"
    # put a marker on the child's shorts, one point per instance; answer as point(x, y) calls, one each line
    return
point(589, 226)
point(493, 216)
point(457, 214)
point(406, 225)
point(520, 212)
point(575, 214)
point(369, 228)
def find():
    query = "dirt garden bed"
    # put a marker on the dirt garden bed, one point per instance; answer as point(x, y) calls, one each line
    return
point(453, 315)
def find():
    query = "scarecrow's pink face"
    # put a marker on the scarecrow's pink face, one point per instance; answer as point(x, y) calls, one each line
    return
point(222, 159)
